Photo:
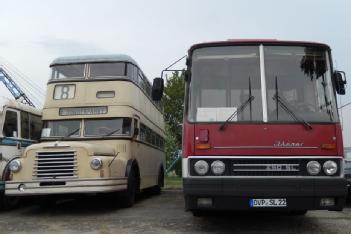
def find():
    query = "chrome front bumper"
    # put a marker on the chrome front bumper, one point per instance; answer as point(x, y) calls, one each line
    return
point(65, 186)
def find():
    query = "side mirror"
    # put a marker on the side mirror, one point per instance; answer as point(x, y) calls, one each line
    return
point(136, 132)
point(187, 75)
point(157, 89)
point(340, 82)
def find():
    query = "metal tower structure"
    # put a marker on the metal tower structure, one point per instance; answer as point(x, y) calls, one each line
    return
point(15, 90)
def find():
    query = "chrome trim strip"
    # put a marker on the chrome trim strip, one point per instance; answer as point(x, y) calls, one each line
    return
point(66, 180)
point(264, 147)
point(263, 85)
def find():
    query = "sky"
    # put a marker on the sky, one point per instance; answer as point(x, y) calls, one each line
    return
point(158, 32)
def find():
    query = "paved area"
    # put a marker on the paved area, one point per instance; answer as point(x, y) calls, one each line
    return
point(161, 214)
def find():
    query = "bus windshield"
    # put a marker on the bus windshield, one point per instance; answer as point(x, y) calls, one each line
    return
point(73, 71)
point(92, 70)
point(107, 127)
point(227, 80)
point(92, 127)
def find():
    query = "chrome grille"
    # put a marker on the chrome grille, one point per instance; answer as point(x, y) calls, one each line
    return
point(266, 167)
point(52, 165)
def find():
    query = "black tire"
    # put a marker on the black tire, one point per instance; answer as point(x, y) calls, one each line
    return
point(160, 183)
point(8, 202)
point(128, 197)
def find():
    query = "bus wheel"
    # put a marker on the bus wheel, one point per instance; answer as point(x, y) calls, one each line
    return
point(128, 197)
point(160, 183)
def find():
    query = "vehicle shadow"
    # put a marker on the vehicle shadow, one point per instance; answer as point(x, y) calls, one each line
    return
point(79, 204)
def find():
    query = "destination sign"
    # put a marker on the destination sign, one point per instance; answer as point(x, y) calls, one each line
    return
point(96, 110)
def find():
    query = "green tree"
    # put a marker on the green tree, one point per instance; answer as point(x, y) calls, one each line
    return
point(173, 108)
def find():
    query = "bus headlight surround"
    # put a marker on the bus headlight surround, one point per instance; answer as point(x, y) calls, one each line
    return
point(15, 165)
point(330, 167)
point(201, 167)
point(218, 167)
point(313, 167)
point(96, 163)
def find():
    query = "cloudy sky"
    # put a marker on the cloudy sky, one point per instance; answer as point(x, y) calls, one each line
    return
point(157, 32)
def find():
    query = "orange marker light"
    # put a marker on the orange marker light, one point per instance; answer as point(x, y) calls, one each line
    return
point(328, 146)
point(203, 146)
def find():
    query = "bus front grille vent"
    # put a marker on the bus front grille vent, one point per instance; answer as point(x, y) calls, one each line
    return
point(122, 148)
point(55, 165)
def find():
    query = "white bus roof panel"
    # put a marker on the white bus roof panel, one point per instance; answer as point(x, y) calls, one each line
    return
point(17, 105)
point(93, 59)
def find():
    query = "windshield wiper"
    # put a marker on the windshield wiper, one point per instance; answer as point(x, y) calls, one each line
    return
point(279, 100)
point(70, 134)
point(240, 109)
point(112, 132)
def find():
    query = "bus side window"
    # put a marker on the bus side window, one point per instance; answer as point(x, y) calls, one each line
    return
point(136, 129)
point(142, 132)
point(24, 125)
point(10, 124)
point(35, 127)
point(132, 72)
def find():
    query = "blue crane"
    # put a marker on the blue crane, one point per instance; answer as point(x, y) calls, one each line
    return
point(15, 90)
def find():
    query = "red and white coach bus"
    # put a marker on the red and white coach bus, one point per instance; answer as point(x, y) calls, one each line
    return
point(261, 127)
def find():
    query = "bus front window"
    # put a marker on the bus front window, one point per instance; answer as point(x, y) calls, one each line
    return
point(108, 127)
point(107, 70)
point(223, 80)
point(73, 71)
point(301, 77)
point(61, 128)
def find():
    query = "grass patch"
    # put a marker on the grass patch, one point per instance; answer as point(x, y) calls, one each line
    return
point(173, 182)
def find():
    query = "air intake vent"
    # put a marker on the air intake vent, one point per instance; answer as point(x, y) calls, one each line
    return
point(53, 165)
point(122, 148)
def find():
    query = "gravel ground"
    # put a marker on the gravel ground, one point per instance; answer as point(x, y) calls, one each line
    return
point(161, 214)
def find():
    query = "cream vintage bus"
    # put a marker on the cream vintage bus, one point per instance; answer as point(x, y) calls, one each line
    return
point(102, 132)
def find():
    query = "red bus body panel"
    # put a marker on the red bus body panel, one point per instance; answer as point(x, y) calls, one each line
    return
point(262, 139)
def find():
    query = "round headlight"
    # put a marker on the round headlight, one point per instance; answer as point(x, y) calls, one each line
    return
point(330, 167)
point(201, 167)
point(15, 165)
point(96, 163)
point(313, 167)
point(217, 167)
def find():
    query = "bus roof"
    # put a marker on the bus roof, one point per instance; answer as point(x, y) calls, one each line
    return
point(237, 42)
point(17, 105)
point(109, 58)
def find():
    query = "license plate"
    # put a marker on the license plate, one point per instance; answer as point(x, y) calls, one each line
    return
point(270, 202)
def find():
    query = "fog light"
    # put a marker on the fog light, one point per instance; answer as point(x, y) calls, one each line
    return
point(327, 201)
point(21, 187)
point(313, 167)
point(96, 163)
point(204, 202)
point(201, 167)
point(330, 167)
point(218, 167)
point(15, 165)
